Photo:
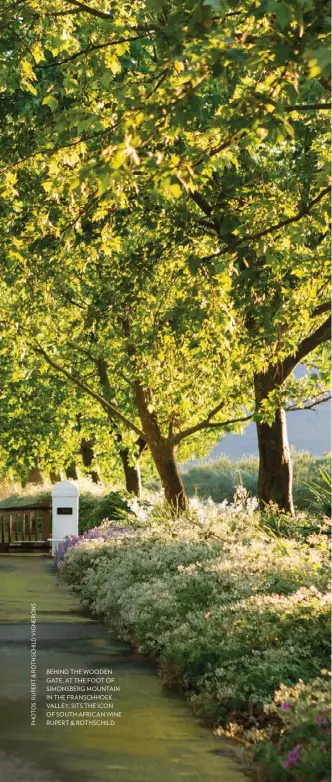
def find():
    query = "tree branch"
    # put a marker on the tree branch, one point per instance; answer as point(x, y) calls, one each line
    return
point(206, 424)
point(309, 107)
point(321, 238)
point(82, 351)
point(64, 13)
point(321, 309)
point(295, 219)
point(308, 344)
point(210, 257)
point(53, 150)
point(107, 406)
point(222, 424)
point(215, 150)
point(88, 50)
point(92, 11)
point(310, 407)
point(94, 199)
point(201, 202)
point(159, 83)
point(11, 7)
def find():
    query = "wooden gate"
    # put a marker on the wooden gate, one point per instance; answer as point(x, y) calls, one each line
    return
point(25, 527)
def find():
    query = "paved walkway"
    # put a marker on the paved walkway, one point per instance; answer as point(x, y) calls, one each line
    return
point(157, 739)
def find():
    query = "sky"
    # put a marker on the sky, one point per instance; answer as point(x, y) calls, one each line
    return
point(308, 430)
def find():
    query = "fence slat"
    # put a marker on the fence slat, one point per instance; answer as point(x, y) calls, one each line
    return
point(46, 524)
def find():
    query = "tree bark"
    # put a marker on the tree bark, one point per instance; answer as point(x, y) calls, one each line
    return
point(86, 451)
point(164, 458)
point(71, 471)
point(162, 451)
point(34, 476)
point(275, 475)
point(55, 476)
point(132, 473)
point(275, 467)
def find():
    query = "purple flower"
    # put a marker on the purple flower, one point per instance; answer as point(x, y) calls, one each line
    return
point(285, 705)
point(96, 533)
point(293, 756)
point(63, 547)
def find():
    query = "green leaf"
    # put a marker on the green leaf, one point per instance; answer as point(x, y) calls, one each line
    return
point(281, 11)
point(215, 4)
point(30, 88)
point(175, 190)
point(50, 101)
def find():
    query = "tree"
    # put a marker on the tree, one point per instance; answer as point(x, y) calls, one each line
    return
point(275, 469)
point(32, 412)
point(196, 94)
point(138, 332)
point(44, 422)
point(273, 222)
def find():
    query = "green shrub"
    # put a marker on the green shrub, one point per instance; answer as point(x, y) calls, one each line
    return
point(93, 509)
point(299, 527)
point(219, 478)
point(321, 491)
point(37, 497)
point(303, 749)
point(231, 612)
point(241, 652)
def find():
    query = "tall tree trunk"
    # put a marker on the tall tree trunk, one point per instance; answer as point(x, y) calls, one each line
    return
point(34, 476)
point(275, 466)
point(71, 471)
point(131, 468)
point(275, 475)
point(86, 451)
point(164, 458)
point(132, 473)
point(55, 476)
point(162, 450)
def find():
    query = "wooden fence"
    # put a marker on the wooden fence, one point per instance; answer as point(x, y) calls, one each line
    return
point(25, 527)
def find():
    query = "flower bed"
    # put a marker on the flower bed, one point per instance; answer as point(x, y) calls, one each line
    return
point(236, 618)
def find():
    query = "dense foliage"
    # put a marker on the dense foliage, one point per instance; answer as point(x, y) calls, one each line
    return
point(164, 269)
point(164, 218)
point(237, 617)
point(218, 479)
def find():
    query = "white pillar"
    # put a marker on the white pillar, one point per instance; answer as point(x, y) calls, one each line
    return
point(64, 512)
